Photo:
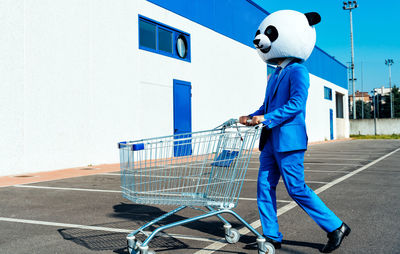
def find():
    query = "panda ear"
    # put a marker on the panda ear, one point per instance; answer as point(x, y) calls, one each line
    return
point(313, 18)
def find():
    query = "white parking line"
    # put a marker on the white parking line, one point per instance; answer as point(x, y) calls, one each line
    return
point(64, 188)
point(347, 153)
point(110, 174)
point(331, 164)
point(116, 230)
point(326, 171)
point(246, 180)
point(317, 164)
point(332, 158)
point(254, 199)
point(256, 224)
point(105, 191)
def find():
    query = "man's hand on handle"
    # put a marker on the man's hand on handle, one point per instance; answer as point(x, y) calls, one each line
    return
point(243, 120)
point(253, 121)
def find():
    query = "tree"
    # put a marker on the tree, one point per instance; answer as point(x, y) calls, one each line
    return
point(384, 105)
point(367, 110)
point(396, 101)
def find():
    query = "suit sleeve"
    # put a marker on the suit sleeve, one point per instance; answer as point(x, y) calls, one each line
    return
point(299, 83)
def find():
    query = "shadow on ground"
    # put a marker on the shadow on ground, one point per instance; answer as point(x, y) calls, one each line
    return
point(289, 243)
point(141, 214)
point(100, 240)
point(133, 217)
point(96, 240)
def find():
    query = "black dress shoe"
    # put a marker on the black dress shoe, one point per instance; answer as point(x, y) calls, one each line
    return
point(276, 244)
point(254, 246)
point(335, 238)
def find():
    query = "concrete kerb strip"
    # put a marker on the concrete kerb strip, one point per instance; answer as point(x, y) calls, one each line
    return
point(6, 181)
point(256, 224)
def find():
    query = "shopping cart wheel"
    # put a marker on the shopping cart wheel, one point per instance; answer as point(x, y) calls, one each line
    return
point(266, 248)
point(143, 250)
point(133, 246)
point(234, 237)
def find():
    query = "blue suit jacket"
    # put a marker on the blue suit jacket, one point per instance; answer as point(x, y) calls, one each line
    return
point(284, 108)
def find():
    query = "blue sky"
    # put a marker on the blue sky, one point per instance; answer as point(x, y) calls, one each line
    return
point(376, 35)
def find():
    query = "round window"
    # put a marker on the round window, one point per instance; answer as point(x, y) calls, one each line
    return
point(181, 46)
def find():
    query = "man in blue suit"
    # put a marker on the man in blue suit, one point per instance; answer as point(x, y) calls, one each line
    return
point(284, 139)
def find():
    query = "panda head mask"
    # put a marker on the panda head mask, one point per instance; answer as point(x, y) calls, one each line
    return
point(286, 34)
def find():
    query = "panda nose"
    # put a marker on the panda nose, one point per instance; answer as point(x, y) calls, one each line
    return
point(256, 41)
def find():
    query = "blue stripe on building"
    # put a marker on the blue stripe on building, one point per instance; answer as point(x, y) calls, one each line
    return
point(239, 21)
point(323, 65)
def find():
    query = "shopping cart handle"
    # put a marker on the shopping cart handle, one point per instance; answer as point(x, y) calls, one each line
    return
point(257, 125)
point(230, 122)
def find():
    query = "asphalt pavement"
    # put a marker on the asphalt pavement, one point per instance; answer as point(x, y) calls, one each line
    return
point(358, 179)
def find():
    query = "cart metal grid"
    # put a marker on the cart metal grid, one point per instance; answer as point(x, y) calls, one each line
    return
point(205, 168)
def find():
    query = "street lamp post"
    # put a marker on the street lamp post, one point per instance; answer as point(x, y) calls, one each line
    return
point(350, 5)
point(375, 107)
point(389, 62)
point(378, 100)
point(362, 91)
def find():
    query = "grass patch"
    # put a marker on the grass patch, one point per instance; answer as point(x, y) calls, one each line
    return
point(393, 136)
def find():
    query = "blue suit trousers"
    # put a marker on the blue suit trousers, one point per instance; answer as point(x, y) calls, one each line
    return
point(289, 165)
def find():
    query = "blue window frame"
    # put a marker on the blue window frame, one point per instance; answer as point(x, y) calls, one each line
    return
point(162, 39)
point(327, 93)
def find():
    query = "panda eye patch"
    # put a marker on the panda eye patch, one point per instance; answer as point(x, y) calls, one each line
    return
point(257, 33)
point(272, 33)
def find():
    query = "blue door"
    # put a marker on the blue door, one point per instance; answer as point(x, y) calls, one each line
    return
point(182, 118)
point(331, 121)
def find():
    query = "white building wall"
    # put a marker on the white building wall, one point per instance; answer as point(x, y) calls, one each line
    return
point(11, 86)
point(318, 118)
point(74, 82)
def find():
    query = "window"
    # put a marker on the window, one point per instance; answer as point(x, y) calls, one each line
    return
point(147, 33)
point(339, 105)
point(181, 46)
point(165, 40)
point(162, 39)
point(327, 93)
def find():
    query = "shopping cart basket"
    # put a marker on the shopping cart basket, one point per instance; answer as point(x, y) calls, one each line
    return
point(198, 169)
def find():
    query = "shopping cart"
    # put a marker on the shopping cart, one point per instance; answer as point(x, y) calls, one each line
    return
point(198, 169)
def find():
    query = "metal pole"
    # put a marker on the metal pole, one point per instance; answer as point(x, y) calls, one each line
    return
point(352, 64)
point(378, 103)
point(375, 113)
point(349, 6)
point(389, 63)
point(362, 91)
point(390, 87)
point(350, 98)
